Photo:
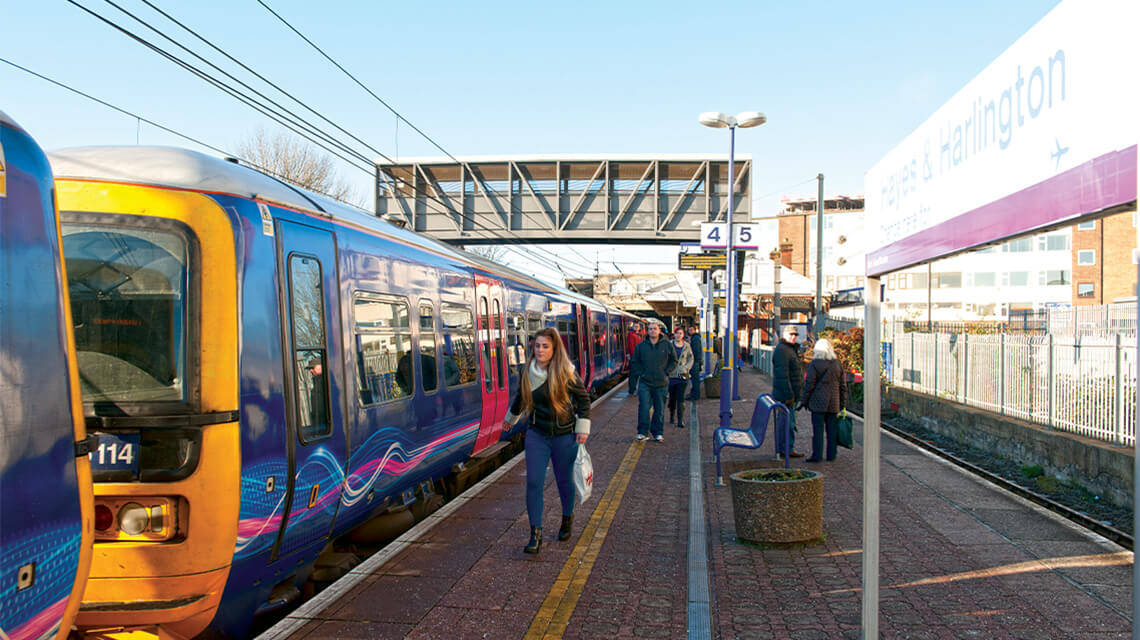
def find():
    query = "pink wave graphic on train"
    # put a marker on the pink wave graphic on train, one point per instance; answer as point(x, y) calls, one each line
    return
point(41, 626)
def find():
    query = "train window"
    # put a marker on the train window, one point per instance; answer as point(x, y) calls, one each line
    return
point(384, 348)
point(307, 312)
point(517, 337)
point(428, 364)
point(599, 345)
point(500, 343)
point(485, 339)
point(533, 323)
point(128, 289)
point(458, 345)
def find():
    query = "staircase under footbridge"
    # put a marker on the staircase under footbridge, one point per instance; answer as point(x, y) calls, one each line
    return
point(563, 199)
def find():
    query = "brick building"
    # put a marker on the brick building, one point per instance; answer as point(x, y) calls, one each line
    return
point(1102, 260)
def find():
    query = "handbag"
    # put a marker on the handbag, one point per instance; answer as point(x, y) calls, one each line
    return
point(844, 437)
point(583, 474)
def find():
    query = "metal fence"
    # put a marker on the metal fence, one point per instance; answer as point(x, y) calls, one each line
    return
point(1074, 383)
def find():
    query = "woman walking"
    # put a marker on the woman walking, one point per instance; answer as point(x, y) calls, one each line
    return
point(679, 376)
point(825, 395)
point(556, 401)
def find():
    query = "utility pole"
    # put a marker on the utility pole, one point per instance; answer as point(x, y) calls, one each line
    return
point(819, 258)
point(775, 256)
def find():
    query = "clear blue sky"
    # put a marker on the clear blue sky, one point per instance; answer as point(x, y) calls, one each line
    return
point(841, 82)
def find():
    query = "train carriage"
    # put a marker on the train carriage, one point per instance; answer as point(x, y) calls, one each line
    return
point(46, 509)
point(289, 368)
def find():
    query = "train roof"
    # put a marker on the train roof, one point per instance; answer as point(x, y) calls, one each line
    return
point(6, 120)
point(185, 169)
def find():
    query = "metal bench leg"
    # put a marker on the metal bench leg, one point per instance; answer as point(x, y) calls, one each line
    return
point(719, 477)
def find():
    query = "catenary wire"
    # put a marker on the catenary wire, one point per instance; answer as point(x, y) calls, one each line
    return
point(381, 101)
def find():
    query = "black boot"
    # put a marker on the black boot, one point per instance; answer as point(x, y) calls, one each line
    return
point(564, 530)
point(535, 544)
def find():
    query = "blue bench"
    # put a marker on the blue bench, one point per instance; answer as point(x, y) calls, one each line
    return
point(753, 436)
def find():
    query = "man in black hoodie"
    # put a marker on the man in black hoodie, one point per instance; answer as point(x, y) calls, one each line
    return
point(652, 358)
point(787, 385)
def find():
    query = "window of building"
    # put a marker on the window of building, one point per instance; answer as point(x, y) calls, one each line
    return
point(1087, 226)
point(1053, 243)
point(1085, 290)
point(949, 280)
point(621, 288)
point(1086, 256)
point(1015, 278)
point(1020, 245)
point(984, 278)
point(1054, 277)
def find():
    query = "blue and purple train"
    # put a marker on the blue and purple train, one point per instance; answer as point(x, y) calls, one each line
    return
point(267, 370)
point(45, 481)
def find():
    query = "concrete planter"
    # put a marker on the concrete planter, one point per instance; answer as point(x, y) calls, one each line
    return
point(712, 387)
point(768, 509)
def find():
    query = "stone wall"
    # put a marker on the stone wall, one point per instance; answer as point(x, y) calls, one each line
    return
point(1099, 467)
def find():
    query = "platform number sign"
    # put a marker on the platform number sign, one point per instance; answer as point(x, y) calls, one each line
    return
point(714, 235)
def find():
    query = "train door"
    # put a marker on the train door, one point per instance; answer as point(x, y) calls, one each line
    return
point(313, 384)
point(586, 342)
point(492, 348)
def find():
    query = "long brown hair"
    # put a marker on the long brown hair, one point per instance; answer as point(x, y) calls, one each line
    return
point(559, 373)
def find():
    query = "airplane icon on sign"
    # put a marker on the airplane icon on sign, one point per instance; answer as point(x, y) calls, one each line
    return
point(1058, 153)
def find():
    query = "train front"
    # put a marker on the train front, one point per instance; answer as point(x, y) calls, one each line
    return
point(153, 288)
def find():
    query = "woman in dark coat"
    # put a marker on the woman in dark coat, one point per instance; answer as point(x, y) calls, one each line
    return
point(553, 396)
point(825, 395)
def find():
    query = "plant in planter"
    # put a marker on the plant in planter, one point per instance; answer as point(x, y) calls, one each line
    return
point(777, 505)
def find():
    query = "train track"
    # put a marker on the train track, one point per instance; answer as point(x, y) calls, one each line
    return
point(1112, 533)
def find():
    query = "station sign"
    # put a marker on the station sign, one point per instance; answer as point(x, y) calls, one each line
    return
point(714, 235)
point(701, 261)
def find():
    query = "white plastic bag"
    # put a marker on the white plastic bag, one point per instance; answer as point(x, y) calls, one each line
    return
point(583, 474)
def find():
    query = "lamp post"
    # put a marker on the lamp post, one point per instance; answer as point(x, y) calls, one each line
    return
point(718, 120)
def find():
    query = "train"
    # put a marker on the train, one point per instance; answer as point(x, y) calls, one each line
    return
point(46, 503)
point(266, 371)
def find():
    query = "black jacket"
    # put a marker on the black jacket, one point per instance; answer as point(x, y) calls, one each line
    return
point(826, 388)
point(698, 353)
point(787, 373)
point(543, 420)
point(651, 362)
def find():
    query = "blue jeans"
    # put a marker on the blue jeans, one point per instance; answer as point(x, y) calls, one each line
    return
point(824, 422)
point(651, 409)
point(791, 446)
point(542, 450)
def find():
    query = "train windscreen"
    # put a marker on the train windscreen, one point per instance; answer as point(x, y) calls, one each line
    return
point(128, 290)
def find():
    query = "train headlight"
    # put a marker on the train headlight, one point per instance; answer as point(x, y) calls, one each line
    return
point(133, 518)
point(138, 518)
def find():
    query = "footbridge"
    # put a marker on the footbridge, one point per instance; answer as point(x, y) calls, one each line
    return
point(563, 199)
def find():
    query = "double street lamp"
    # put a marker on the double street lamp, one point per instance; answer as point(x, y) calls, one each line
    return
point(718, 120)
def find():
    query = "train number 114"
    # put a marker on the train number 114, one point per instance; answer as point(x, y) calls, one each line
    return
point(113, 453)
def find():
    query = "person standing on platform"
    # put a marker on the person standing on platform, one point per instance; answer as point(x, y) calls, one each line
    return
point(553, 396)
point(698, 356)
point(679, 376)
point(787, 384)
point(825, 395)
point(652, 359)
point(631, 342)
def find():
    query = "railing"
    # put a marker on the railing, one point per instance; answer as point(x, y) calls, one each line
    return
point(1079, 384)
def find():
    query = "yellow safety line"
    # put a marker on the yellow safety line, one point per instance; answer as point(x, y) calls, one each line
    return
point(554, 614)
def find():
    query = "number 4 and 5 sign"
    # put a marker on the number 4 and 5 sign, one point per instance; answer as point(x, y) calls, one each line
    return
point(714, 236)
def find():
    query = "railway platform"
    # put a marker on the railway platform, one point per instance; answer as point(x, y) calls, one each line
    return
point(959, 558)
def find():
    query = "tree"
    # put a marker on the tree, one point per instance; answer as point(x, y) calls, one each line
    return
point(295, 161)
point(496, 253)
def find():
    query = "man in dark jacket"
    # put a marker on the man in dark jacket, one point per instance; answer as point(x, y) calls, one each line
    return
point(698, 362)
point(787, 385)
point(652, 358)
